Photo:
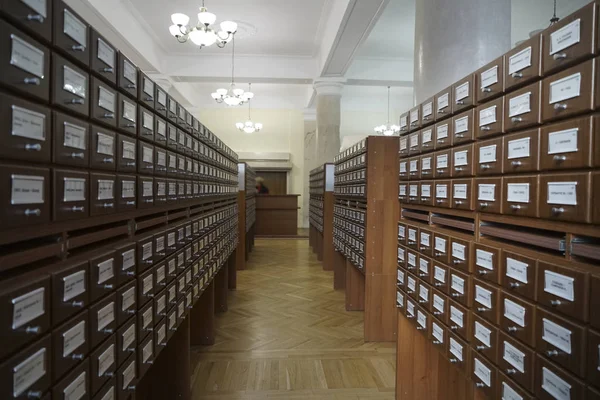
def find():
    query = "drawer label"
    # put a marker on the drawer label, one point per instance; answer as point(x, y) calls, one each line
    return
point(425, 190)
point(439, 274)
point(519, 105)
point(401, 231)
point(180, 310)
point(553, 384)
point(147, 154)
point(161, 334)
point(403, 167)
point(483, 296)
point(73, 285)
point(403, 143)
point(487, 116)
point(460, 191)
point(461, 158)
point(129, 111)
point(106, 144)
point(128, 299)
point(565, 88)
point(403, 122)
point(74, 28)
point(128, 189)
point(128, 152)
point(412, 259)
point(74, 82)
point(171, 239)
point(456, 316)
point(172, 134)
point(484, 259)
point(161, 189)
point(128, 259)
point(28, 124)
point(487, 154)
point(74, 136)
point(426, 136)
point(442, 161)
point(412, 235)
point(425, 239)
point(563, 141)
point(106, 360)
point(74, 189)
point(519, 148)
point(565, 37)
point(438, 332)
point(26, 57)
point(29, 372)
point(443, 101)
point(172, 189)
point(482, 372)
point(400, 255)
point(423, 292)
point(106, 99)
point(489, 77)
point(441, 132)
point(128, 337)
point(172, 320)
point(556, 335)
point(160, 246)
point(414, 141)
point(486, 192)
point(514, 312)
point(514, 357)
point(128, 375)
point(440, 244)
point(461, 91)
point(559, 285)
point(461, 125)
point(456, 349)
point(161, 129)
point(77, 389)
point(421, 319)
point(39, 6)
point(147, 121)
point(148, 351)
point(148, 284)
point(410, 308)
point(105, 189)
point(106, 315)
point(161, 158)
point(148, 87)
point(483, 334)
point(427, 109)
point(458, 251)
point(110, 395)
point(28, 307)
point(414, 165)
point(563, 193)
point(106, 54)
point(161, 304)
point(130, 73)
point(457, 284)
point(146, 250)
point(438, 303)
point(162, 98)
point(73, 338)
point(519, 61)
point(414, 115)
point(147, 318)
point(412, 284)
point(516, 269)
point(508, 393)
point(518, 193)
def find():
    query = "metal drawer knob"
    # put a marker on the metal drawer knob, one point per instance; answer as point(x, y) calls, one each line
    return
point(440, 141)
point(511, 371)
point(130, 126)
point(485, 166)
point(454, 327)
point(458, 202)
point(560, 106)
point(35, 17)
point(437, 284)
point(484, 205)
point(516, 163)
point(108, 374)
point(110, 71)
point(555, 303)
point(479, 384)
point(482, 272)
point(78, 48)
point(458, 169)
point(559, 56)
point(81, 156)
point(77, 357)
point(460, 135)
point(486, 128)
point(515, 206)
point(33, 329)
point(422, 301)
point(456, 295)
point(453, 360)
point(480, 347)
point(130, 312)
point(33, 147)
point(108, 115)
point(560, 158)
point(514, 285)
point(130, 273)
point(108, 332)
point(75, 101)
point(558, 210)
point(517, 75)
point(438, 254)
point(410, 316)
point(441, 112)
point(437, 313)
point(460, 102)
point(130, 86)
point(456, 261)
point(108, 205)
point(34, 394)
point(483, 309)
point(132, 387)
point(437, 342)
point(32, 81)
point(420, 328)
point(439, 201)
point(130, 164)
point(130, 203)
point(551, 353)
point(486, 90)
point(513, 329)
point(77, 209)
point(516, 120)
point(149, 99)
point(77, 304)
point(108, 160)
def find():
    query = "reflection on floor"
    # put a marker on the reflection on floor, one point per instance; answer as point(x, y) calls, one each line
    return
point(287, 336)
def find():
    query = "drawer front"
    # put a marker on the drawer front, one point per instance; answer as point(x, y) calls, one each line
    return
point(413, 193)
point(404, 126)
point(102, 320)
point(403, 149)
point(485, 338)
point(103, 275)
point(489, 195)
point(71, 33)
point(127, 80)
point(70, 344)
point(443, 103)
point(26, 130)
point(71, 140)
point(414, 143)
point(521, 152)
point(411, 286)
point(519, 274)
point(412, 237)
point(459, 319)
point(570, 40)
point(145, 192)
point(552, 382)
point(569, 92)
point(127, 377)
point(517, 361)
point(103, 57)
point(145, 354)
point(126, 192)
point(126, 340)
point(427, 112)
point(522, 64)
point(427, 139)
point(27, 201)
point(127, 149)
point(518, 318)
point(459, 286)
point(464, 127)
point(103, 194)
point(104, 148)
point(403, 174)
point(595, 302)
point(440, 276)
point(160, 304)
point(172, 109)
point(71, 86)
point(126, 263)
point(146, 91)
point(441, 245)
point(463, 93)
point(414, 118)
point(411, 311)
point(160, 161)
point(461, 254)
point(146, 287)
point(422, 322)
point(489, 118)
point(463, 194)
point(491, 80)
point(438, 335)
point(443, 193)
point(439, 305)
point(71, 194)
point(520, 196)
point(484, 375)
point(568, 144)
point(444, 134)
point(160, 103)
point(485, 300)
point(487, 263)
point(564, 290)
point(443, 164)
point(34, 18)
point(160, 131)
point(402, 233)
point(103, 364)
point(103, 103)
point(34, 78)
point(146, 158)
point(459, 353)
point(593, 373)
point(414, 170)
point(523, 108)
point(145, 321)
point(160, 336)
point(171, 136)
point(145, 253)
point(490, 157)
point(425, 242)
point(160, 192)
point(160, 245)
point(127, 115)
point(463, 161)
point(508, 389)
point(126, 302)
point(565, 197)
point(424, 294)
point(146, 124)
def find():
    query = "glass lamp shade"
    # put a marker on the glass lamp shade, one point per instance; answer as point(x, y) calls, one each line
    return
point(229, 26)
point(180, 19)
point(249, 129)
point(395, 128)
point(221, 92)
point(238, 92)
point(248, 123)
point(175, 30)
point(239, 125)
point(258, 126)
point(232, 101)
point(206, 18)
point(388, 132)
point(215, 95)
point(248, 95)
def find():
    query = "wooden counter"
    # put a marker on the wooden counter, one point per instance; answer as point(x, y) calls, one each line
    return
point(277, 215)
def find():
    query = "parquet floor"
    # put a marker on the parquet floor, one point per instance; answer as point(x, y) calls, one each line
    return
point(287, 336)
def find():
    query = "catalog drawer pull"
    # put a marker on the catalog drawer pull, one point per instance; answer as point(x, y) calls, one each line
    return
point(33, 147)
point(33, 213)
point(35, 17)
point(559, 56)
point(32, 81)
point(78, 48)
point(517, 75)
point(108, 70)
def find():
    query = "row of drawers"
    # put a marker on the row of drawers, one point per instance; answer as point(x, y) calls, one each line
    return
point(568, 42)
point(355, 190)
point(355, 229)
point(357, 259)
point(359, 161)
point(355, 153)
point(351, 214)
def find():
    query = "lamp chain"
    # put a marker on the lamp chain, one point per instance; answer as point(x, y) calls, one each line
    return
point(232, 59)
point(554, 18)
point(388, 120)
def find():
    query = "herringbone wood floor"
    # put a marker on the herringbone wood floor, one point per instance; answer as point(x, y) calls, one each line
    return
point(287, 336)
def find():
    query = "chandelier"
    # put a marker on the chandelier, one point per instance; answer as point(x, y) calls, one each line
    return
point(387, 129)
point(202, 34)
point(232, 96)
point(249, 126)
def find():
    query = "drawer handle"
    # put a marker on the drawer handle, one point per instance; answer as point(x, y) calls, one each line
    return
point(437, 342)
point(453, 360)
point(150, 295)
point(34, 394)
point(162, 344)
point(108, 115)
point(410, 268)
point(129, 125)
point(420, 328)
point(75, 101)
point(107, 70)
point(151, 166)
point(131, 388)
point(108, 374)
point(130, 350)
point(130, 86)
point(422, 248)
point(555, 303)
point(454, 327)
point(438, 254)
point(410, 316)
point(511, 371)
point(149, 99)
point(516, 120)
point(129, 273)
point(460, 102)
point(439, 201)
point(486, 90)
point(130, 312)
point(33, 329)
point(517, 75)
point(32, 81)
point(422, 301)
point(456, 295)
point(513, 329)
point(515, 206)
point(35, 17)
point(483, 309)
point(108, 287)
point(516, 163)
point(149, 363)
point(514, 285)
point(410, 291)
point(456, 261)
point(440, 141)
point(77, 357)
point(479, 385)
point(458, 169)
point(33, 147)
point(552, 353)
point(484, 205)
point(441, 112)
point(482, 272)
point(130, 164)
point(481, 348)
point(130, 203)
point(557, 210)
point(108, 160)
point(560, 106)
point(426, 118)
point(560, 159)
point(485, 128)
point(77, 209)
point(437, 284)
point(458, 202)
point(559, 56)
point(108, 205)
point(107, 331)
point(460, 135)
point(78, 48)
point(33, 213)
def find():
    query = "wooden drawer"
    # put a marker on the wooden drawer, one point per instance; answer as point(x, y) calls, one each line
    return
point(127, 80)
point(414, 171)
point(127, 378)
point(146, 159)
point(160, 304)
point(444, 134)
point(570, 40)
point(403, 149)
point(160, 192)
point(103, 364)
point(126, 263)
point(569, 92)
point(427, 112)
point(404, 127)
point(485, 300)
point(126, 297)
point(463, 127)
point(146, 91)
point(507, 389)
point(422, 322)
point(463, 93)
point(76, 385)
point(127, 111)
point(438, 335)
point(413, 237)
point(565, 197)
point(562, 341)
point(593, 350)
point(145, 355)
point(552, 382)
point(459, 287)
point(103, 61)
point(458, 353)
point(517, 361)
point(16, 379)
point(103, 150)
point(71, 292)
point(145, 253)
point(522, 63)
point(70, 344)
point(160, 276)
point(411, 311)
point(71, 140)
point(443, 164)
point(145, 321)
point(489, 118)
point(484, 376)
point(487, 260)
point(160, 161)
point(414, 118)
point(441, 247)
point(402, 234)
point(160, 131)
point(145, 192)
point(518, 318)
point(71, 194)
point(523, 108)
point(568, 144)
point(160, 103)
point(70, 88)
point(490, 157)
point(171, 137)
point(485, 338)
point(463, 194)
point(459, 320)
point(126, 340)
point(440, 276)
point(126, 193)
point(35, 18)
point(463, 161)
point(160, 336)
point(425, 242)
point(519, 274)
point(103, 99)
point(443, 103)
point(424, 295)
point(102, 320)
point(414, 143)
point(427, 139)
point(127, 149)
point(403, 169)
point(71, 33)
point(461, 254)
point(491, 80)
point(521, 152)
point(172, 109)
point(26, 130)
point(172, 294)
point(33, 78)
point(171, 164)
point(520, 196)
point(426, 193)
point(103, 277)
point(411, 286)
point(439, 305)
point(564, 289)
point(146, 287)
point(489, 195)
point(146, 124)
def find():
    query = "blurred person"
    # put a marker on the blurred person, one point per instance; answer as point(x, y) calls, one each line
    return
point(260, 186)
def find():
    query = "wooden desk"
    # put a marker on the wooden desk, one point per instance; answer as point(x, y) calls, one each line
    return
point(277, 215)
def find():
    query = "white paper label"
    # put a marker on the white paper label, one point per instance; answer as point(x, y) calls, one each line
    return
point(128, 189)
point(438, 303)
point(74, 285)
point(485, 259)
point(518, 192)
point(461, 158)
point(421, 319)
point(74, 28)
point(458, 251)
point(442, 161)
point(414, 141)
point(508, 393)
point(514, 312)
point(559, 285)
point(425, 190)
point(27, 57)
point(426, 136)
point(519, 105)
point(28, 124)
point(128, 299)
point(427, 109)
point(457, 284)
point(147, 189)
point(565, 88)
point(483, 296)
point(147, 154)
point(403, 167)
point(402, 190)
point(440, 244)
point(461, 125)
point(423, 292)
point(73, 338)
point(412, 284)
point(514, 357)
point(106, 360)
point(553, 384)
point(519, 61)
point(489, 77)
point(439, 274)
point(75, 136)
point(562, 193)
point(161, 335)
point(487, 116)
point(162, 98)
point(128, 150)
point(147, 351)
point(414, 165)
point(413, 190)
point(414, 115)
point(146, 251)
point(129, 111)
point(106, 315)
point(39, 6)
point(77, 389)
point(106, 99)
point(425, 239)
point(412, 235)
point(486, 192)
point(563, 141)
point(106, 53)
point(161, 189)
point(483, 334)
point(147, 318)
point(74, 189)
point(105, 189)
point(456, 349)
point(410, 308)
point(403, 122)
point(128, 375)
point(29, 372)
point(437, 332)
point(461, 91)
point(106, 144)
point(556, 335)
point(519, 148)
point(441, 191)
point(565, 37)
point(128, 259)
point(516, 269)
point(403, 143)
point(149, 87)
point(74, 82)
point(460, 191)
point(456, 316)
point(129, 72)
point(442, 101)
point(441, 131)
point(128, 337)
point(482, 372)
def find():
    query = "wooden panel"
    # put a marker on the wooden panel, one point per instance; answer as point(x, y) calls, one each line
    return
point(355, 289)
point(275, 181)
point(276, 222)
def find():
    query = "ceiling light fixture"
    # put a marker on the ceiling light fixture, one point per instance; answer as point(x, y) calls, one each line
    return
point(249, 126)
point(387, 129)
point(233, 96)
point(202, 34)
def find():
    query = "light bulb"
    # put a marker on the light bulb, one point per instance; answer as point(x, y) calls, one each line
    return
point(215, 95)
point(229, 26)
point(249, 95)
point(239, 125)
point(180, 19)
point(238, 91)
point(175, 31)
point(388, 132)
point(206, 18)
point(232, 101)
point(249, 129)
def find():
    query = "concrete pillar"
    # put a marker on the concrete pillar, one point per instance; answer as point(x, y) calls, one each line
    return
point(329, 93)
point(456, 37)
point(310, 158)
